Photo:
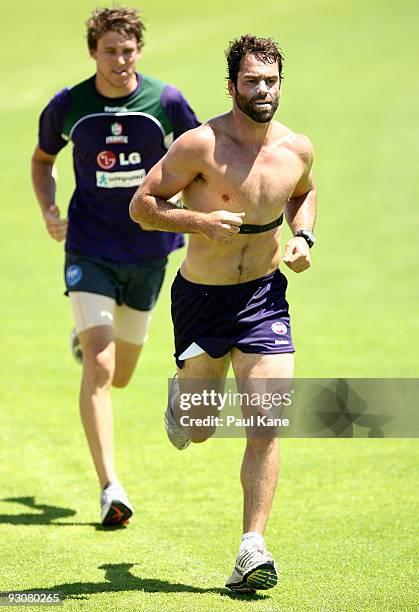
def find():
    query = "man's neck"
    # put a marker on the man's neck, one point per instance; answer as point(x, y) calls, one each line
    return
point(248, 130)
point(106, 89)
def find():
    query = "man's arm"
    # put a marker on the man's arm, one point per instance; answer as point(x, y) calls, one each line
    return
point(300, 212)
point(44, 183)
point(173, 173)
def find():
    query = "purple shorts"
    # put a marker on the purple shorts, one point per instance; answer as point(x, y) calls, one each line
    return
point(251, 316)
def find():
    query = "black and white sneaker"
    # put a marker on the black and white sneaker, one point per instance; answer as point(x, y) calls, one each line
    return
point(174, 430)
point(254, 570)
point(115, 508)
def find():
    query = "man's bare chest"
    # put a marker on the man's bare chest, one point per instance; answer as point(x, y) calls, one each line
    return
point(251, 180)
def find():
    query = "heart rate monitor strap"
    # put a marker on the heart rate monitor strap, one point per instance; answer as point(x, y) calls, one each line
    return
point(247, 228)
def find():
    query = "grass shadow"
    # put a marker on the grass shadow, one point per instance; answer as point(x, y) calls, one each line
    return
point(117, 575)
point(47, 515)
point(118, 578)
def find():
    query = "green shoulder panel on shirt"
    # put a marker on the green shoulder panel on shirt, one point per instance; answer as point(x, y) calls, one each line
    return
point(84, 101)
point(148, 100)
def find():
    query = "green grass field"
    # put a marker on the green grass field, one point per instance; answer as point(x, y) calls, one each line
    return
point(343, 523)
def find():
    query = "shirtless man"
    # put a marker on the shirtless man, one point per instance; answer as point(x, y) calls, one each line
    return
point(239, 173)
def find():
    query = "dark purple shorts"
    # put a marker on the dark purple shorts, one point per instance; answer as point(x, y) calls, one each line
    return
point(251, 316)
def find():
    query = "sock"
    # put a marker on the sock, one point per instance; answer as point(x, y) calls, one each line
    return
point(252, 537)
point(108, 484)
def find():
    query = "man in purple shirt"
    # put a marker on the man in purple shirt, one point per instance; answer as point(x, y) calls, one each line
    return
point(120, 123)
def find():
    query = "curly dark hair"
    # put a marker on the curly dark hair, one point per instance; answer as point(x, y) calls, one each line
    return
point(121, 19)
point(265, 49)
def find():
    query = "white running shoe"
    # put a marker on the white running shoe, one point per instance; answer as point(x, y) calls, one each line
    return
point(115, 508)
point(76, 346)
point(255, 569)
point(174, 430)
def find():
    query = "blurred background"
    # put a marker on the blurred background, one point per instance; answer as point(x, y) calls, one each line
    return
point(350, 85)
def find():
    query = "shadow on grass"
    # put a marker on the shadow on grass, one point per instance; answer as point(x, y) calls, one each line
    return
point(118, 578)
point(47, 516)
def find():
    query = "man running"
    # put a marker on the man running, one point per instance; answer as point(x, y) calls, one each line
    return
point(240, 173)
point(120, 123)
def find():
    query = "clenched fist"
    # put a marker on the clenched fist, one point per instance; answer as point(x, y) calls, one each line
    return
point(297, 254)
point(57, 227)
point(222, 225)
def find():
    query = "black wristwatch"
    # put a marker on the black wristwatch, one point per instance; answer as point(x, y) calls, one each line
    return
point(307, 235)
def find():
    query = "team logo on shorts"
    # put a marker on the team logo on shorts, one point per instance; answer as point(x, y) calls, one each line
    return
point(106, 159)
point(73, 275)
point(279, 328)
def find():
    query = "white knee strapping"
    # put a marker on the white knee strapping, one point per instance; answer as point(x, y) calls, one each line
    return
point(91, 310)
point(131, 325)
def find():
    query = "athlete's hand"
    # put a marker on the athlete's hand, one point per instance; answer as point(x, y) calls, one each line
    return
point(222, 225)
point(57, 227)
point(297, 254)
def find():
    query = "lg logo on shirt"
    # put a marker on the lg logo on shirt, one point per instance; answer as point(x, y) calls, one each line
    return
point(107, 159)
point(133, 159)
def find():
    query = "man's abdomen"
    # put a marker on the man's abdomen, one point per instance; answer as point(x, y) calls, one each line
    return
point(243, 259)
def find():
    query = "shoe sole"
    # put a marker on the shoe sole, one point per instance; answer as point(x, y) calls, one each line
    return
point(241, 588)
point(262, 578)
point(118, 514)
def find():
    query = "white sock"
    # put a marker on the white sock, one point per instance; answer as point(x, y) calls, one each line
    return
point(252, 537)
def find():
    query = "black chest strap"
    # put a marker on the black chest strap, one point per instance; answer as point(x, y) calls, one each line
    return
point(247, 228)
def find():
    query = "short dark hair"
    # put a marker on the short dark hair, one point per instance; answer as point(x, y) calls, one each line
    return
point(121, 19)
point(265, 49)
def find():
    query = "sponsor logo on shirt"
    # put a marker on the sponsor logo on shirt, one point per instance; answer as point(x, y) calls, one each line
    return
point(279, 328)
point(106, 159)
point(109, 180)
point(117, 136)
point(133, 159)
point(115, 109)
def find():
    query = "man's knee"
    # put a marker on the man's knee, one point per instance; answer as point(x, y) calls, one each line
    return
point(99, 366)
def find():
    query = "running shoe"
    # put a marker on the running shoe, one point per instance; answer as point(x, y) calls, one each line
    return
point(174, 430)
point(115, 508)
point(254, 570)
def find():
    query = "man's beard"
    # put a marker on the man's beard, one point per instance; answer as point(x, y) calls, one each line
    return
point(251, 109)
